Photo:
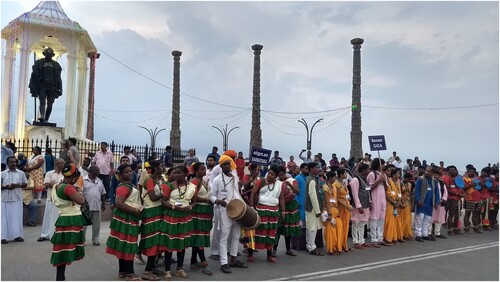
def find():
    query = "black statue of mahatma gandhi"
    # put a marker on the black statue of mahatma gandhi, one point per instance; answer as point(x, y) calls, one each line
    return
point(46, 83)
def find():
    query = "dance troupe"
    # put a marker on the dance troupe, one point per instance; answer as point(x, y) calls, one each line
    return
point(171, 212)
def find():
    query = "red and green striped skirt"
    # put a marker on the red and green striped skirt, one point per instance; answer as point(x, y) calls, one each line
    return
point(202, 225)
point(122, 240)
point(176, 229)
point(68, 240)
point(265, 234)
point(289, 225)
point(150, 231)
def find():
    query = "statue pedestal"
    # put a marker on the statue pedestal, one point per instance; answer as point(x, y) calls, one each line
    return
point(41, 133)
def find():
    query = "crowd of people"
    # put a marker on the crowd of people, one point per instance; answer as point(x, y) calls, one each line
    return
point(167, 208)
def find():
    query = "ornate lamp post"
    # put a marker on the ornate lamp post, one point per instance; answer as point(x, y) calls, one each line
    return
point(152, 134)
point(309, 133)
point(225, 135)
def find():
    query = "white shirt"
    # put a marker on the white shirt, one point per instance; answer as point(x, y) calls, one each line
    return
point(92, 190)
point(224, 187)
point(52, 177)
point(9, 177)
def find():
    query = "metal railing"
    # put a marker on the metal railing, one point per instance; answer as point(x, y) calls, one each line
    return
point(88, 149)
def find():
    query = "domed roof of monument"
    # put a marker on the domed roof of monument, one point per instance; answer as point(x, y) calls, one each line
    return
point(48, 16)
point(50, 9)
point(48, 13)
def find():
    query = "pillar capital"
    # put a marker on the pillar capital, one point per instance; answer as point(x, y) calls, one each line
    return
point(176, 53)
point(357, 41)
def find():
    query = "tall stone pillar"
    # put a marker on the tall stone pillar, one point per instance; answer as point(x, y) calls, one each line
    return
point(23, 89)
point(90, 115)
point(175, 131)
point(81, 95)
point(70, 120)
point(7, 87)
point(256, 132)
point(356, 134)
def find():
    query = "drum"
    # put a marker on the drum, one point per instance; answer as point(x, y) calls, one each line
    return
point(489, 183)
point(240, 212)
point(459, 181)
point(477, 184)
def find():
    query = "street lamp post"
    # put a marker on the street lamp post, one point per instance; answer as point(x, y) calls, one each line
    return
point(152, 134)
point(309, 133)
point(225, 135)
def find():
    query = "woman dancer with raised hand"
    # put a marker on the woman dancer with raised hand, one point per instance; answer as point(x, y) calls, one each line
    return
point(270, 200)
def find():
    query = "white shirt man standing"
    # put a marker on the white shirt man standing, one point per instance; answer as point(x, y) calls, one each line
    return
point(51, 213)
point(105, 162)
point(94, 193)
point(13, 182)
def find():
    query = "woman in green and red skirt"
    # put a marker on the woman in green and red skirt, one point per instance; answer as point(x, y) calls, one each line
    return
point(151, 219)
point(68, 237)
point(202, 219)
point(268, 207)
point(125, 228)
point(177, 225)
point(289, 224)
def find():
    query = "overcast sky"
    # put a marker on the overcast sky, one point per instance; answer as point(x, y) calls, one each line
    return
point(430, 74)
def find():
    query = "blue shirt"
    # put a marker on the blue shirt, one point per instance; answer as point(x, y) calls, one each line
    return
point(427, 208)
point(49, 162)
point(301, 196)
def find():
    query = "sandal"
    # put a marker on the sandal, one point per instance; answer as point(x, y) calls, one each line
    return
point(168, 276)
point(251, 258)
point(122, 275)
point(271, 259)
point(148, 275)
point(181, 273)
point(291, 253)
point(132, 277)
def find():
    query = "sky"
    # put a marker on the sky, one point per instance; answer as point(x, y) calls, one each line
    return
point(429, 74)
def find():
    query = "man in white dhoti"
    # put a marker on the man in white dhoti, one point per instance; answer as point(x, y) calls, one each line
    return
point(51, 214)
point(214, 172)
point(13, 182)
point(223, 190)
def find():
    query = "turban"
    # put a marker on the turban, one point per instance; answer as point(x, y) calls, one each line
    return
point(231, 153)
point(70, 170)
point(225, 159)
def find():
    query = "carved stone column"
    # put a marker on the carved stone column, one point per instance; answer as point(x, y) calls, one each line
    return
point(356, 134)
point(175, 131)
point(90, 115)
point(256, 132)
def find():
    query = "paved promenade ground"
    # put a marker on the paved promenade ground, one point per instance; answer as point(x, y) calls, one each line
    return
point(468, 257)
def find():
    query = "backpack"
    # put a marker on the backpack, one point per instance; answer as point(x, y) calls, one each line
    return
point(362, 192)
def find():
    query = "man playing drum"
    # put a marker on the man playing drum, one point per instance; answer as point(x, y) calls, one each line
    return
point(223, 190)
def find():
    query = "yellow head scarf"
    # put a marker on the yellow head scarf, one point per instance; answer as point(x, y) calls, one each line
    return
point(225, 158)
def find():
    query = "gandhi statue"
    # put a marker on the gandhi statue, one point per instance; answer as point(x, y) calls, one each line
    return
point(46, 83)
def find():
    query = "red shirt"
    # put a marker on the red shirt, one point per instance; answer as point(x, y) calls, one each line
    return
point(450, 182)
point(240, 167)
